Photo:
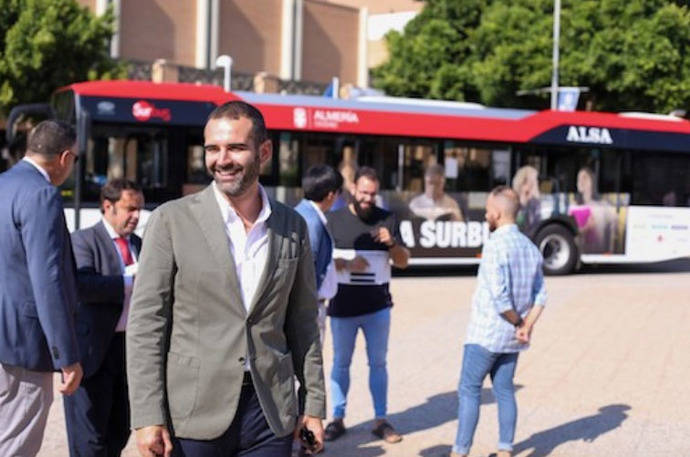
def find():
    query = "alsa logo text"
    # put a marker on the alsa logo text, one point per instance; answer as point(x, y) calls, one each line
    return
point(143, 111)
point(589, 135)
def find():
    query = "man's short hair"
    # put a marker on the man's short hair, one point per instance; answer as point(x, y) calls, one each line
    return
point(319, 181)
point(508, 200)
point(50, 138)
point(366, 172)
point(435, 170)
point(237, 109)
point(112, 190)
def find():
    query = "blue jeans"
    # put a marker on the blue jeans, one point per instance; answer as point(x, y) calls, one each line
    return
point(477, 362)
point(376, 327)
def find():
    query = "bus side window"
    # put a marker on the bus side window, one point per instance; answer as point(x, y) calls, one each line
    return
point(469, 167)
point(660, 179)
point(288, 160)
point(150, 159)
point(196, 177)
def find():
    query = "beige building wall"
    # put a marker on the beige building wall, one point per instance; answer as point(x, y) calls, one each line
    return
point(383, 6)
point(155, 29)
point(377, 53)
point(330, 36)
point(250, 32)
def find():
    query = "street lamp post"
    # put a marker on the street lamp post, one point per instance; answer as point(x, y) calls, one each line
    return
point(556, 38)
point(225, 62)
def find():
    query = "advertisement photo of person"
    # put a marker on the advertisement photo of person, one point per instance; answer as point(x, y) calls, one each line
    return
point(526, 185)
point(595, 217)
point(435, 203)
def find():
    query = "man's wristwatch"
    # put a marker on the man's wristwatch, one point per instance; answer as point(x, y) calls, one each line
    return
point(519, 323)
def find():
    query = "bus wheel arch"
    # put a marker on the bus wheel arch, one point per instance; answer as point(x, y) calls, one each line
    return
point(557, 244)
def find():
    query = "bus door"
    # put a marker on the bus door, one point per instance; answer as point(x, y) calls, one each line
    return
point(658, 219)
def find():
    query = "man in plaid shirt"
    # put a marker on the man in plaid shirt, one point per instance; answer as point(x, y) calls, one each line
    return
point(509, 298)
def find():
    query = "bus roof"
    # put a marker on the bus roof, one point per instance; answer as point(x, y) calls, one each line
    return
point(190, 104)
point(151, 90)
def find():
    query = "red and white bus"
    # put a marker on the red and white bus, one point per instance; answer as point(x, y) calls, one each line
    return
point(595, 187)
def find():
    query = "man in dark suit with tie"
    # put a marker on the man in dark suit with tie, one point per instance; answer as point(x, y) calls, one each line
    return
point(97, 415)
point(37, 289)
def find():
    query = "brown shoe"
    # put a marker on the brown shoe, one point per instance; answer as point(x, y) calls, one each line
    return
point(386, 432)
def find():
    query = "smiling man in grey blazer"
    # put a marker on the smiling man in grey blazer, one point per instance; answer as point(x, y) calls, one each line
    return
point(224, 310)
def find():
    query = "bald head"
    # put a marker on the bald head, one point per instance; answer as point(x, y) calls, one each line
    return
point(506, 201)
point(501, 207)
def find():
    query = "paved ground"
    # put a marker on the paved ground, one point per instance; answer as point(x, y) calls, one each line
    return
point(607, 374)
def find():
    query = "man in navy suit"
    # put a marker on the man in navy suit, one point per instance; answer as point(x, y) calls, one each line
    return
point(321, 185)
point(37, 289)
point(97, 415)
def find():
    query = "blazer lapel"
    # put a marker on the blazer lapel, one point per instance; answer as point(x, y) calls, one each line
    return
point(112, 256)
point(273, 226)
point(207, 215)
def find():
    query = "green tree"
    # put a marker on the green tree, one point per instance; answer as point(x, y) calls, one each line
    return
point(45, 44)
point(632, 54)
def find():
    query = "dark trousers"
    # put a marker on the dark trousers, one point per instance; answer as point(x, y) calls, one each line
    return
point(97, 414)
point(248, 435)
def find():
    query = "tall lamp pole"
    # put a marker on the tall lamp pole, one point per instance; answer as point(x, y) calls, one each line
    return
point(225, 62)
point(556, 38)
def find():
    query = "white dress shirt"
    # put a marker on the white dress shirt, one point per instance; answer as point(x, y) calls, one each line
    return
point(38, 167)
point(249, 249)
point(127, 278)
point(329, 285)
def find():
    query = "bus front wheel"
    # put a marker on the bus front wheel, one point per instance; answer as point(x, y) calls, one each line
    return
point(557, 245)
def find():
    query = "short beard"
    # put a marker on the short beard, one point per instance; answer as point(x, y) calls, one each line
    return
point(364, 214)
point(249, 174)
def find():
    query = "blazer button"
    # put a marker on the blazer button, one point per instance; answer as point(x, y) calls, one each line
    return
point(241, 359)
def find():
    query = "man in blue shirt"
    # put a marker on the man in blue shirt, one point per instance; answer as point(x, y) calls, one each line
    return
point(321, 185)
point(509, 298)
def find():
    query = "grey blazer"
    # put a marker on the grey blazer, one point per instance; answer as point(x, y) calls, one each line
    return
point(188, 331)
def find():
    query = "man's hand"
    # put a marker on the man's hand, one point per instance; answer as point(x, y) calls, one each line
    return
point(383, 235)
point(71, 378)
point(523, 333)
point(358, 264)
point(154, 441)
point(315, 425)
